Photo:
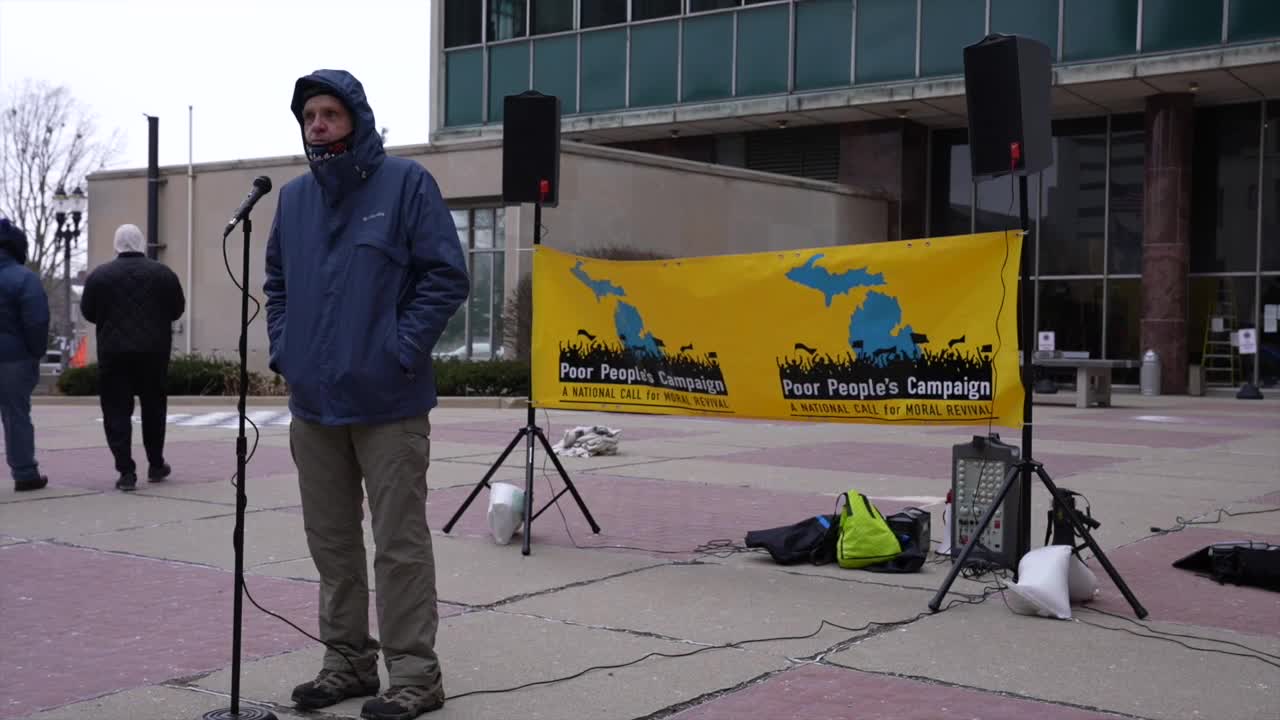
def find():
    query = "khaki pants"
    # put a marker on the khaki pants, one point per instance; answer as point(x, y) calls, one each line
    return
point(393, 459)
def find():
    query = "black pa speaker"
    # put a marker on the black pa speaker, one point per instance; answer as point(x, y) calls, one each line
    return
point(531, 148)
point(1006, 85)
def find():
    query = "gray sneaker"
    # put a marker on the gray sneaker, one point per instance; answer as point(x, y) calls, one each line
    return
point(403, 702)
point(331, 687)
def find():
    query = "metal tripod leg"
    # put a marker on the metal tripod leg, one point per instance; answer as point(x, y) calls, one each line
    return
point(484, 482)
point(568, 484)
point(1083, 532)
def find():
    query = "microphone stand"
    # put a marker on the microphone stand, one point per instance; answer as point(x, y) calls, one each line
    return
point(237, 536)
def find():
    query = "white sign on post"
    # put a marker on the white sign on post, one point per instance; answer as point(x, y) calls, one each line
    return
point(1248, 341)
point(1046, 341)
point(1217, 324)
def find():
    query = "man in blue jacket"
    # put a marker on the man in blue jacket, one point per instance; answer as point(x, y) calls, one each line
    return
point(24, 333)
point(363, 269)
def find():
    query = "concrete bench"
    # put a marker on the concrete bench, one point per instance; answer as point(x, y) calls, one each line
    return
point(1093, 377)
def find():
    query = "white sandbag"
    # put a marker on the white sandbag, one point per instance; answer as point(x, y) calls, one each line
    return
point(1042, 587)
point(1082, 583)
point(588, 441)
point(506, 511)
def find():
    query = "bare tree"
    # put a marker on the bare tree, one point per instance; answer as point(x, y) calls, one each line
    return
point(47, 139)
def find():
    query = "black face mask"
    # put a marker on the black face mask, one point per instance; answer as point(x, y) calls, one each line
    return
point(322, 153)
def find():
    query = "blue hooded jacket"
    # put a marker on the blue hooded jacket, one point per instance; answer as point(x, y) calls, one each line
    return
point(363, 271)
point(24, 307)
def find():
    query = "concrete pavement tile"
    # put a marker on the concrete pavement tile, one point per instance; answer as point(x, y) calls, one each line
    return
point(494, 651)
point(79, 623)
point(991, 648)
point(82, 516)
point(707, 603)
point(192, 461)
point(52, 490)
point(784, 479)
point(478, 571)
point(147, 703)
point(270, 536)
point(818, 691)
point(272, 491)
point(1177, 595)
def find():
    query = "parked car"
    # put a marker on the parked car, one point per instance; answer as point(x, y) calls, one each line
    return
point(51, 364)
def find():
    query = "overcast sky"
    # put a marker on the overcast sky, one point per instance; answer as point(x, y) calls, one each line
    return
point(234, 61)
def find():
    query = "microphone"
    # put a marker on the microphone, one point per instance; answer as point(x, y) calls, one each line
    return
point(261, 186)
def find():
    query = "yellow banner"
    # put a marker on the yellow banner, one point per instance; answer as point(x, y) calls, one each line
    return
point(914, 331)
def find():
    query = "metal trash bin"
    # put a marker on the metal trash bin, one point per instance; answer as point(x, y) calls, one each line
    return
point(1149, 380)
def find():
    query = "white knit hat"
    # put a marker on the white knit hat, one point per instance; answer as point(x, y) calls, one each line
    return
point(129, 239)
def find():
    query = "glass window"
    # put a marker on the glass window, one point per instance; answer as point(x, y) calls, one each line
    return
point(507, 19)
point(653, 64)
point(1224, 181)
point(1230, 298)
point(946, 26)
point(951, 187)
point(1073, 204)
point(1032, 18)
point(886, 40)
point(705, 5)
point(508, 75)
point(1124, 327)
point(555, 68)
point(603, 12)
point(1128, 170)
point(1099, 28)
point(604, 70)
point(462, 23)
point(476, 331)
point(708, 58)
point(551, 16)
point(823, 43)
point(998, 203)
point(463, 87)
point(1271, 191)
point(1253, 20)
point(649, 9)
point(762, 50)
point(1072, 309)
point(1269, 342)
point(1174, 24)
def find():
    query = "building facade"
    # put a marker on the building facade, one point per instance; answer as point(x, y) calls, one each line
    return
point(1156, 227)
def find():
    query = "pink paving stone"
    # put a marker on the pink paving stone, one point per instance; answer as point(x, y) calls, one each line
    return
point(811, 691)
point(1167, 437)
point(897, 459)
point(1271, 498)
point(1181, 596)
point(192, 462)
point(79, 623)
point(655, 515)
point(498, 434)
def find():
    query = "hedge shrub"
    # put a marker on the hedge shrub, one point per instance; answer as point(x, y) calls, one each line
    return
point(198, 375)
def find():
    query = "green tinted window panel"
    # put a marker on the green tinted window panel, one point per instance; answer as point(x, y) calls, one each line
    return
point(1176, 24)
point(555, 70)
point(824, 42)
point(762, 51)
point(1253, 20)
point(946, 26)
point(653, 64)
point(604, 70)
point(508, 75)
point(708, 58)
point(1030, 18)
point(464, 87)
point(886, 38)
point(1099, 28)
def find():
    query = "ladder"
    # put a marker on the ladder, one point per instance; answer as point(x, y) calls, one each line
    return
point(1219, 357)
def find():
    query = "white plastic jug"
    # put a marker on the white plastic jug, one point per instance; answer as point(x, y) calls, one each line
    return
point(506, 511)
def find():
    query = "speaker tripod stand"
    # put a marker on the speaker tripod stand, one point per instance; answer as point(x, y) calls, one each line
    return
point(529, 433)
point(1023, 470)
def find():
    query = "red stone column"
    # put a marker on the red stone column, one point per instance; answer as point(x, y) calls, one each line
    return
point(1166, 235)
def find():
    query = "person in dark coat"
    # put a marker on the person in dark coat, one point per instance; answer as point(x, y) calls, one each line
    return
point(24, 334)
point(134, 301)
point(364, 270)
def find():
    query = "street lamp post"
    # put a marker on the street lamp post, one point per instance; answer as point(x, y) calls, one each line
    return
point(65, 206)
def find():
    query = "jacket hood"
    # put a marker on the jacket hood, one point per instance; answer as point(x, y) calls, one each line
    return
point(366, 153)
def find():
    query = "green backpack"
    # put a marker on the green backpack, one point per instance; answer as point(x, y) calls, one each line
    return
point(865, 538)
